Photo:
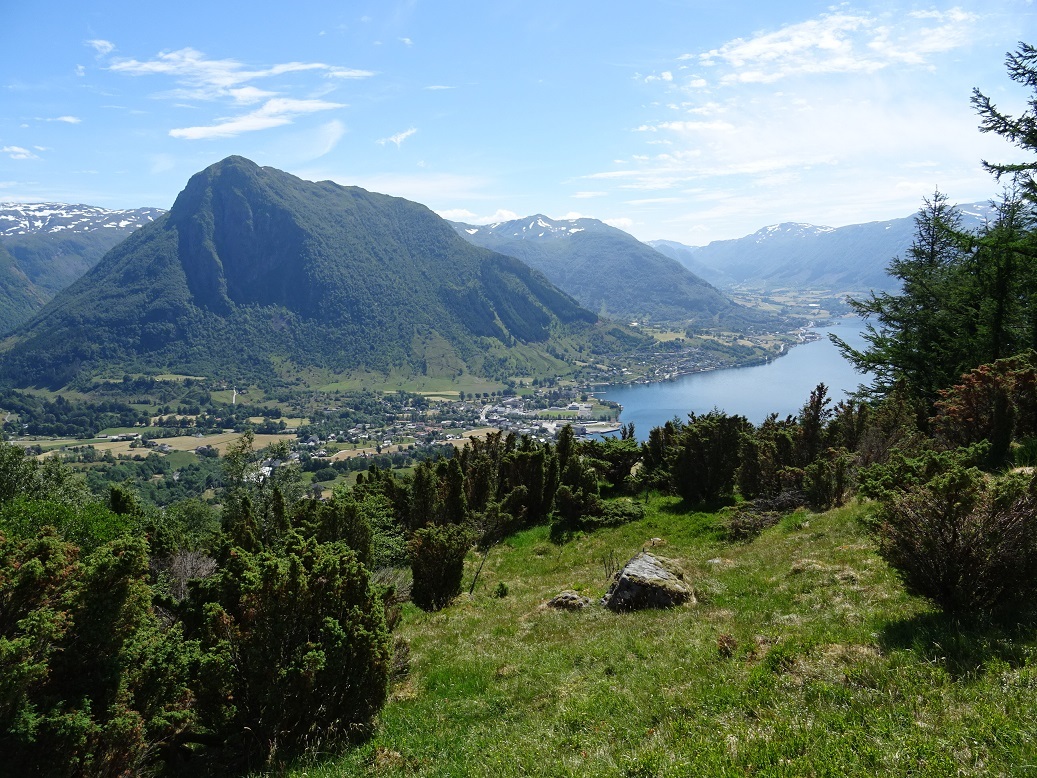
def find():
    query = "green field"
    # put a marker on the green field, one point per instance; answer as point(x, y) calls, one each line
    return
point(803, 656)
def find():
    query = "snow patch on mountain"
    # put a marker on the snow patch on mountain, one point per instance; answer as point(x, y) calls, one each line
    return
point(31, 218)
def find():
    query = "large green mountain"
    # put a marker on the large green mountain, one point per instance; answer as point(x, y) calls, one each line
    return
point(611, 272)
point(253, 270)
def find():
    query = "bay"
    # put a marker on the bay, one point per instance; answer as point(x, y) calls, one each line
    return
point(780, 386)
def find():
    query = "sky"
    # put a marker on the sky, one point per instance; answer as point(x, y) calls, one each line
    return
point(685, 120)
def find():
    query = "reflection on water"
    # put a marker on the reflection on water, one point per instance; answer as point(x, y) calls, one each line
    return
point(781, 386)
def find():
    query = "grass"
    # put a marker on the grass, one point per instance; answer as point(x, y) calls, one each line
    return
point(803, 656)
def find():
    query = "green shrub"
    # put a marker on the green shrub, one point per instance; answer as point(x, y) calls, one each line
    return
point(91, 683)
point(295, 650)
point(437, 560)
point(965, 543)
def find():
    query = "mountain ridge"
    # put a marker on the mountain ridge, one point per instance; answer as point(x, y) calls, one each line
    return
point(612, 273)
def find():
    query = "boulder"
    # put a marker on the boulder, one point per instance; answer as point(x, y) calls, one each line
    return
point(647, 581)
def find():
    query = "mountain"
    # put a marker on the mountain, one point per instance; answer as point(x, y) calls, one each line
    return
point(50, 245)
point(611, 272)
point(842, 259)
point(254, 272)
point(53, 218)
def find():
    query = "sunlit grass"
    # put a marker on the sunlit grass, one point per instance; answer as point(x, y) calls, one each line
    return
point(803, 656)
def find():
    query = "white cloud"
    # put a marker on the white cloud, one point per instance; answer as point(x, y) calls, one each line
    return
point(406, 41)
point(66, 119)
point(80, 70)
point(666, 75)
point(458, 215)
point(862, 94)
point(837, 42)
point(17, 152)
point(436, 87)
point(464, 215)
point(102, 47)
point(328, 136)
point(274, 113)
point(247, 95)
point(349, 73)
point(620, 223)
point(202, 78)
point(398, 138)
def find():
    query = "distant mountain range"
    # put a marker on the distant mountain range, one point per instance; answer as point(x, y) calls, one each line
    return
point(53, 218)
point(44, 247)
point(256, 273)
point(612, 273)
point(802, 256)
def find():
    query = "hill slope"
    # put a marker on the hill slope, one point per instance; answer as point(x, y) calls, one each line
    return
point(253, 268)
point(19, 297)
point(611, 272)
point(803, 656)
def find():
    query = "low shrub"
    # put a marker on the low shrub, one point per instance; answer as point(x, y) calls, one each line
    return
point(437, 555)
point(967, 543)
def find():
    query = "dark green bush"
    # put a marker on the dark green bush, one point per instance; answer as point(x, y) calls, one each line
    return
point(964, 542)
point(437, 555)
point(295, 650)
point(91, 683)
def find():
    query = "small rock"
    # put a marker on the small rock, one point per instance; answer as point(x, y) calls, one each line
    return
point(569, 601)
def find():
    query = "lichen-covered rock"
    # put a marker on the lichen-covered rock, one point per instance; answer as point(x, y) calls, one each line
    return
point(647, 581)
point(569, 601)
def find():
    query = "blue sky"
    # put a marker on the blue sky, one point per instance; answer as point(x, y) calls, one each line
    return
point(679, 119)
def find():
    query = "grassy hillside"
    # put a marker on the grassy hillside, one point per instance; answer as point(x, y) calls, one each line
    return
point(803, 656)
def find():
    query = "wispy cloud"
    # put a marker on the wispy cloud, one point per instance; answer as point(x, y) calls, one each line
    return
point(17, 152)
point(468, 217)
point(274, 113)
point(437, 87)
point(198, 77)
point(834, 103)
point(328, 136)
point(65, 119)
point(838, 42)
point(202, 78)
point(398, 138)
point(349, 73)
point(102, 47)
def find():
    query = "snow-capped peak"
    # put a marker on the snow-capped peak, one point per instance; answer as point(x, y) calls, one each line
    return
point(27, 218)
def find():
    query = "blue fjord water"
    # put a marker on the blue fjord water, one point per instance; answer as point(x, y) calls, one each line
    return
point(781, 386)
